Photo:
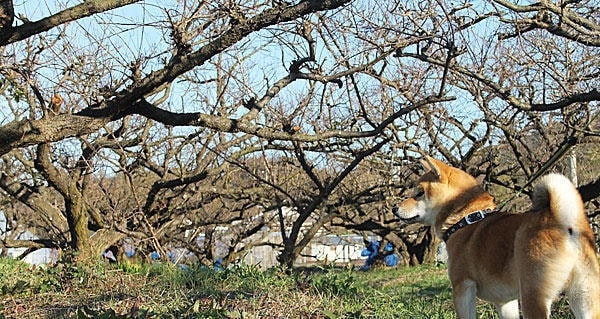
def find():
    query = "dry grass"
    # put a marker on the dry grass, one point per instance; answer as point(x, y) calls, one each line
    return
point(160, 291)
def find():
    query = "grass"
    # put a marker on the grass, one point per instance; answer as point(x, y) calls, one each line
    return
point(166, 291)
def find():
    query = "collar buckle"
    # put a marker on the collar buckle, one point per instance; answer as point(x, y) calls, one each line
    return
point(474, 217)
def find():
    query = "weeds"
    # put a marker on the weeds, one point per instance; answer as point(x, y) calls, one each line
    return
point(242, 291)
point(18, 278)
point(333, 282)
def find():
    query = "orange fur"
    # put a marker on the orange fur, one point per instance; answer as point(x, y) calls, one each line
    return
point(531, 257)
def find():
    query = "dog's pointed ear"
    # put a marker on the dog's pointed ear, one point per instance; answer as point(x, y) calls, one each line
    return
point(431, 165)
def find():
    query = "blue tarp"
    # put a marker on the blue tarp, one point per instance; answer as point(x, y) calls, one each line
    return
point(389, 258)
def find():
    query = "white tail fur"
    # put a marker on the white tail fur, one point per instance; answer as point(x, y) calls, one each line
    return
point(556, 193)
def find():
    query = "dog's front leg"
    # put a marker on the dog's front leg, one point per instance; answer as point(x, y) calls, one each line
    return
point(464, 296)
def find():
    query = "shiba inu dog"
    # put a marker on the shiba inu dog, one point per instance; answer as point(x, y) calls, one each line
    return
point(509, 259)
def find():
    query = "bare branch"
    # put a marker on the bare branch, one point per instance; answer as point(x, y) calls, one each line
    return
point(85, 9)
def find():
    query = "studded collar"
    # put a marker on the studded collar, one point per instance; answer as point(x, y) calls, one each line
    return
point(472, 218)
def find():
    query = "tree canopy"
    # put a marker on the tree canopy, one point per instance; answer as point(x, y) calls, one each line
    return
point(162, 122)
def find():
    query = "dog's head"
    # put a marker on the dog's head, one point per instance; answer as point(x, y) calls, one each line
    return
point(439, 192)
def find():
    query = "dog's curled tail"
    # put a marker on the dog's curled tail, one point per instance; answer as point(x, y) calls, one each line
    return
point(556, 195)
point(569, 264)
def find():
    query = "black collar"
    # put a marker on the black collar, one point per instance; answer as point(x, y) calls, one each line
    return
point(472, 218)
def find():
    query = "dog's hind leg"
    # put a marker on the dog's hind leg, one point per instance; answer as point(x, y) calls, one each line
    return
point(584, 291)
point(509, 310)
point(541, 283)
point(535, 307)
point(583, 306)
point(464, 295)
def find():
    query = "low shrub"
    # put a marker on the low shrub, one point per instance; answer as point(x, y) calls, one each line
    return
point(17, 277)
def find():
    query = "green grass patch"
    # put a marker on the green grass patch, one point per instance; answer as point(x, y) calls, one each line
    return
point(18, 278)
point(166, 291)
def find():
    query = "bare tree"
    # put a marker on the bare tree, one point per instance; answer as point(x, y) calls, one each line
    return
point(161, 122)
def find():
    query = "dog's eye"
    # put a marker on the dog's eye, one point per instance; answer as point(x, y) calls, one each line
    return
point(419, 193)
